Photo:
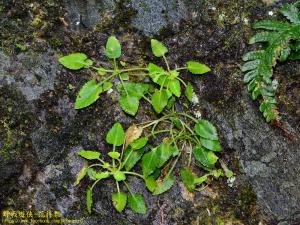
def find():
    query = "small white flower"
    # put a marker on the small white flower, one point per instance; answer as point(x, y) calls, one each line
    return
point(270, 13)
point(246, 21)
point(195, 99)
point(110, 91)
point(230, 181)
point(213, 8)
point(77, 23)
point(198, 114)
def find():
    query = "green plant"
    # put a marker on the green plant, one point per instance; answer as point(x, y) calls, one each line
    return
point(158, 163)
point(283, 42)
point(131, 93)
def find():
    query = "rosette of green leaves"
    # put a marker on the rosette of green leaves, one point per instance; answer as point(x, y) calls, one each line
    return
point(169, 80)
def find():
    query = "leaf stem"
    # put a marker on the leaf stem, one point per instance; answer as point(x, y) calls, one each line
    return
point(134, 174)
point(128, 188)
point(181, 68)
point(166, 61)
point(182, 81)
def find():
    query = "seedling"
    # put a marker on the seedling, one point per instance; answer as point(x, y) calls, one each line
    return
point(157, 164)
point(283, 42)
point(168, 81)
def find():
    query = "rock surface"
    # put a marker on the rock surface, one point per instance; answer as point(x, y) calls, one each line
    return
point(40, 132)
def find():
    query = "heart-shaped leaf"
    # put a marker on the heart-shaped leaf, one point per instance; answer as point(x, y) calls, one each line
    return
point(129, 104)
point(197, 68)
point(113, 48)
point(75, 61)
point(164, 185)
point(131, 157)
point(159, 100)
point(174, 87)
point(149, 161)
point(139, 143)
point(211, 145)
point(119, 176)
point(137, 204)
point(207, 130)
point(158, 48)
point(205, 157)
point(119, 201)
point(90, 155)
point(116, 135)
point(114, 155)
point(188, 178)
point(88, 94)
point(189, 92)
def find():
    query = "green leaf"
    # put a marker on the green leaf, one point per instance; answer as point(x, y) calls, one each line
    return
point(164, 153)
point(91, 173)
point(272, 25)
point(229, 173)
point(81, 175)
point(197, 68)
point(101, 71)
point(164, 185)
point(150, 183)
point(129, 104)
point(188, 178)
point(153, 68)
point(124, 76)
point(251, 65)
point(263, 37)
point(250, 76)
point(206, 130)
point(119, 176)
point(88, 94)
point(205, 157)
point(137, 90)
point(216, 173)
point(90, 155)
point(75, 61)
point(159, 100)
point(116, 135)
point(137, 204)
point(211, 144)
point(119, 201)
point(158, 48)
point(149, 161)
point(113, 48)
point(189, 91)
point(101, 175)
point(106, 86)
point(174, 87)
point(114, 155)
point(291, 13)
point(89, 200)
point(171, 102)
point(174, 74)
point(139, 143)
point(254, 55)
point(131, 157)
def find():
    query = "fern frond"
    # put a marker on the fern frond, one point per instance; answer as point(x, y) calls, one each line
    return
point(291, 12)
point(263, 37)
point(271, 25)
point(283, 40)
